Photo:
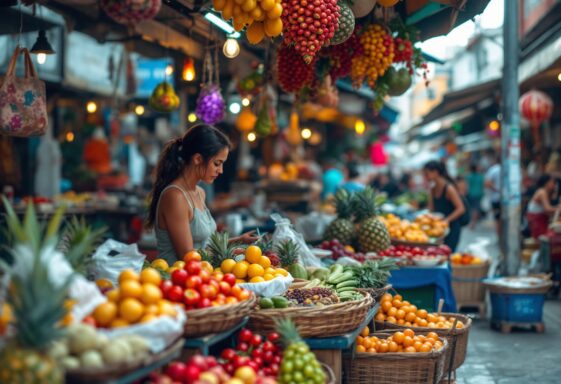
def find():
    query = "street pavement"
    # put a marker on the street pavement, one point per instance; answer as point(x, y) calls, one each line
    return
point(521, 357)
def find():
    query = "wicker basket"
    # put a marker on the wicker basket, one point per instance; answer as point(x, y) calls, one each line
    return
point(467, 283)
point(329, 375)
point(391, 368)
point(324, 321)
point(217, 319)
point(113, 373)
point(299, 283)
point(377, 293)
point(458, 337)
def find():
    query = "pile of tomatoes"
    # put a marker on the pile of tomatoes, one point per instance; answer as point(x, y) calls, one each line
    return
point(197, 286)
point(264, 355)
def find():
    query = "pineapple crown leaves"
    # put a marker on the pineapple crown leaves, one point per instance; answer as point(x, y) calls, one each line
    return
point(288, 331)
point(288, 251)
point(343, 203)
point(79, 242)
point(365, 204)
point(220, 247)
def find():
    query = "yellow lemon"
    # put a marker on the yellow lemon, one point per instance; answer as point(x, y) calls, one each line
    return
point(160, 264)
point(270, 271)
point(255, 270)
point(282, 271)
point(257, 279)
point(268, 276)
point(179, 264)
point(265, 262)
point(253, 254)
point(240, 270)
point(228, 265)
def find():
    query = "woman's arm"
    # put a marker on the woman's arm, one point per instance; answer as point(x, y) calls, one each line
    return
point(543, 199)
point(176, 215)
point(459, 209)
point(430, 202)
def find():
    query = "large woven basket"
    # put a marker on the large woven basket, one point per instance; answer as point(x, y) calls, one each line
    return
point(458, 337)
point(206, 321)
point(113, 373)
point(392, 368)
point(324, 321)
point(377, 293)
point(467, 283)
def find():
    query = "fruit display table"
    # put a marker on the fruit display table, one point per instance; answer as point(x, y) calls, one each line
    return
point(413, 279)
point(329, 350)
point(204, 343)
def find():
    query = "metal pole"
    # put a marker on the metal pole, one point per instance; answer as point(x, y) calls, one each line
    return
point(510, 144)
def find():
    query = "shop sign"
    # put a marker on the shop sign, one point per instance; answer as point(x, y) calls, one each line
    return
point(149, 73)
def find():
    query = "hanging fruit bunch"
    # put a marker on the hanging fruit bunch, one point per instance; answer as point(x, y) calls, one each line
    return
point(327, 94)
point(210, 104)
point(252, 84)
point(293, 73)
point(163, 98)
point(262, 17)
point(345, 24)
point(339, 57)
point(377, 56)
point(131, 11)
point(309, 25)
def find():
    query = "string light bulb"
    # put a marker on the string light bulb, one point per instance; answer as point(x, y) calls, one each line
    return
point(251, 137)
point(169, 70)
point(192, 117)
point(360, 127)
point(231, 48)
point(70, 136)
point(306, 133)
point(41, 58)
point(139, 110)
point(188, 72)
point(91, 107)
point(246, 102)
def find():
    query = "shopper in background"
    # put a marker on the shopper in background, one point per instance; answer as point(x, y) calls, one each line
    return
point(178, 211)
point(331, 179)
point(476, 187)
point(354, 182)
point(540, 208)
point(493, 186)
point(444, 198)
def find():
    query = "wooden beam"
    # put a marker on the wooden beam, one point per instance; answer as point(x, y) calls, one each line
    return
point(154, 31)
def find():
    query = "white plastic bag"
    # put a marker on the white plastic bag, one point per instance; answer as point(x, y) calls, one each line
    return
point(160, 332)
point(313, 225)
point(284, 231)
point(275, 287)
point(112, 257)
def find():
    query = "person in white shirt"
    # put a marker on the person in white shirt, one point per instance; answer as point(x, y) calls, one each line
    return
point(493, 186)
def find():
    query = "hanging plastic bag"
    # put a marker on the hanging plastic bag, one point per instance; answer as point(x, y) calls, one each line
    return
point(275, 287)
point(313, 225)
point(284, 231)
point(112, 257)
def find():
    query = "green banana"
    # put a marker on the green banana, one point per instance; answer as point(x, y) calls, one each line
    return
point(336, 279)
point(347, 283)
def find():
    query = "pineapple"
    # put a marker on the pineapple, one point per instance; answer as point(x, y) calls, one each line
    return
point(373, 235)
point(289, 258)
point(220, 248)
point(78, 243)
point(36, 301)
point(342, 227)
point(299, 364)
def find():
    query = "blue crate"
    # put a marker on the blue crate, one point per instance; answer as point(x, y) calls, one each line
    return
point(517, 308)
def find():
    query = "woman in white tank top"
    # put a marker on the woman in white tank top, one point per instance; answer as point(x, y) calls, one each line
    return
point(540, 208)
point(178, 212)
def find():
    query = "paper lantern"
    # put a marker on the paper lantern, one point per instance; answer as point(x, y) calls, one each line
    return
point(536, 107)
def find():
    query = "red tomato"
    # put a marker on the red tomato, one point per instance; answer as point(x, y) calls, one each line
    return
point(256, 341)
point(179, 277)
point(205, 276)
point(273, 337)
point(192, 373)
point(165, 286)
point(193, 267)
point(204, 303)
point(225, 288)
point(193, 282)
point(175, 294)
point(253, 365)
point(229, 278)
point(177, 371)
point(268, 356)
point(229, 368)
point(191, 297)
point(211, 362)
point(277, 359)
point(274, 369)
point(243, 346)
point(208, 291)
point(240, 361)
point(268, 346)
point(257, 353)
point(258, 361)
point(245, 335)
point(228, 354)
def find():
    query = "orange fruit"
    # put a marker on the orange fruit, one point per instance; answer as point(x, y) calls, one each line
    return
point(360, 348)
point(422, 313)
point(151, 309)
point(227, 266)
point(433, 335)
point(265, 262)
point(380, 316)
point(267, 5)
point(151, 294)
point(367, 343)
point(392, 346)
point(273, 27)
point(150, 275)
point(410, 317)
point(268, 277)
point(231, 300)
point(180, 264)
point(206, 266)
point(371, 350)
point(104, 284)
point(397, 303)
point(275, 12)
point(240, 271)
point(118, 322)
point(282, 271)
point(240, 281)
point(386, 297)
point(459, 325)
point(256, 279)
point(359, 339)
point(255, 33)
point(192, 255)
point(400, 321)
point(386, 305)
point(438, 345)
point(131, 310)
point(418, 345)
point(392, 312)
point(255, 270)
point(409, 332)
point(384, 347)
point(147, 318)
point(400, 314)
point(391, 319)
point(166, 308)
point(413, 308)
point(408, 341)
point(245, 262)
point(130, 288)
point(105, 313)
point(128, 274)
point(398, 297)
point(365, 332)
point(398, 337)
point(160, 264)
point(253, 254)
point(426, 347)
point(432, 318)
point(113, 295)
point(410, 350)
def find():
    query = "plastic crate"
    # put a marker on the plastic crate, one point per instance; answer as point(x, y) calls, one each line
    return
point(423, 297)
point(517, 308)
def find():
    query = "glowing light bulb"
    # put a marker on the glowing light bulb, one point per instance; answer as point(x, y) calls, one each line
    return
point(360, 127)
point(246, 102)
point(188, 72)
point(169, 70)
point(91, 107)
point(306, 133)
point(251, 137)
point(235, 108)
point(70, 136)
point(41, 58)
point(139, 110)
point(559, 76)
point(192, 117)
point(494, 125)
point(231, 48)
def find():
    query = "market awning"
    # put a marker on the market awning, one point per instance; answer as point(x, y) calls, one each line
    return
point(477, 96)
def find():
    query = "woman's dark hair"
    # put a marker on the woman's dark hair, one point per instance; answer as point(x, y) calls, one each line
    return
point(440, 168)
point(543, 180)
point(177, 154)
point(352, 170)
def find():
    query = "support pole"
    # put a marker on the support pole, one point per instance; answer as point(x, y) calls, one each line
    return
point(510, 144)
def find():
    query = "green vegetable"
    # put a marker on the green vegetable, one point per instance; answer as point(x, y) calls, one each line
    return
point(374, 273)
point(280, 302)
point(339, 278)
point(266, 303)
point(346, 283)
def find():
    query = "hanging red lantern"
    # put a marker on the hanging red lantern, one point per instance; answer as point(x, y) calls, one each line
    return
point(536, 107)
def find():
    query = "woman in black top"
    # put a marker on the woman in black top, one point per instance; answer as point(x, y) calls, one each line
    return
point(445, 198)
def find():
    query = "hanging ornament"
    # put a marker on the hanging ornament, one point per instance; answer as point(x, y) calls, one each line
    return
point(163, 98)
point(293, 136)
point(131, 11)
point(210, 104)
point(346, 24)
point(246, 120)
point(362, 8)
point(536, 107)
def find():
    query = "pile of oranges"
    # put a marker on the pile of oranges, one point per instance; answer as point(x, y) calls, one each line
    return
point(394, 310)
point(163, 265)
point(405, 341)
point(254, 268)
point(138, 299)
